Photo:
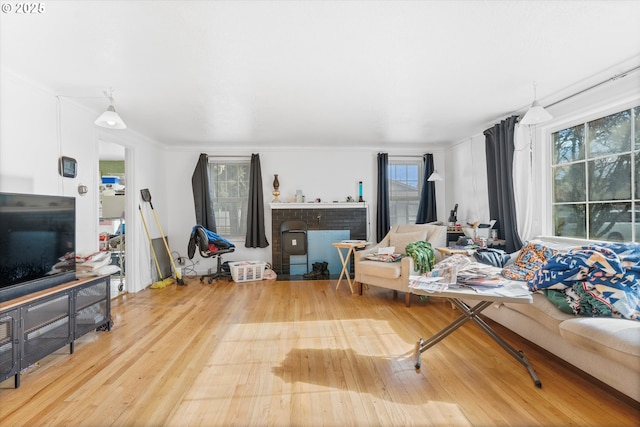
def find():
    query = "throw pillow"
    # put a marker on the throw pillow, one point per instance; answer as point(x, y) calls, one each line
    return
point(385, 257)
point(401, 240)
point(531, 259)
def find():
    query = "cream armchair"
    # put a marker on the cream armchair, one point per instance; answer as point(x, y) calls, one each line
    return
point(395, 275)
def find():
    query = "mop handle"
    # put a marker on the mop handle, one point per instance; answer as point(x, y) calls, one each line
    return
point(155, 257)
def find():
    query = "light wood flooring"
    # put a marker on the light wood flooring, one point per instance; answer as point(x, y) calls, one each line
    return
point(298, 353)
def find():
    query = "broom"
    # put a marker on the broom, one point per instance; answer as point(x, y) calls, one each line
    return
point(146, 196)
point(160, 283)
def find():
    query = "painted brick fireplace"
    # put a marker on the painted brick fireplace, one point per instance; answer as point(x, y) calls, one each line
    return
point(317, 216)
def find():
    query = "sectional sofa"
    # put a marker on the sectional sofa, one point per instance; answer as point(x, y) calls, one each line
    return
point(606, 348)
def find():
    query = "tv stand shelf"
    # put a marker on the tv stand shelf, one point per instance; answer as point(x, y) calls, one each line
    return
point(36, 325)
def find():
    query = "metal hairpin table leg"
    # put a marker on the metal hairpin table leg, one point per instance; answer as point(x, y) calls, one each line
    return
point(469, 313)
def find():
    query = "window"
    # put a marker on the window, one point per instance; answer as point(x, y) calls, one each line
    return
point(405, 185)
point(595, 174)
point(230, 195)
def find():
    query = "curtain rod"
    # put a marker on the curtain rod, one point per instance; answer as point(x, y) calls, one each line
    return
point(611, 79)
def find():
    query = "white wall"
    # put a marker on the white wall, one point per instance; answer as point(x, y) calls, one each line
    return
point(333, 174)
point(37, 127)
point(328, 174)
point(31, 142)
point(466, 180)
point(144, 163)
point(465, 161)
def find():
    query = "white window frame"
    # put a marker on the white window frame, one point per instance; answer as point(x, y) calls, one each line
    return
point(223, 219)
point(546, 159)
point(407, 160)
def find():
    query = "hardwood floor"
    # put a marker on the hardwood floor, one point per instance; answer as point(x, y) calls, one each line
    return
point(298, 354)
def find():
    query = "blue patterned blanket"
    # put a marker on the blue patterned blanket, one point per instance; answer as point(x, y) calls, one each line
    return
point(594, 280)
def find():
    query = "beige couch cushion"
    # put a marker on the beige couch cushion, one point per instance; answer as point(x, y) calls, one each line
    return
point(542, 311)
point(401, 240)
point(385, 270)
point(619, 339)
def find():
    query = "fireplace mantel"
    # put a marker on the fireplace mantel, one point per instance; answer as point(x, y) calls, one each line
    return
point(351, 216)
point(313, 205)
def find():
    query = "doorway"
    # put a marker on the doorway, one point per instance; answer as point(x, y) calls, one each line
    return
point(112, 184)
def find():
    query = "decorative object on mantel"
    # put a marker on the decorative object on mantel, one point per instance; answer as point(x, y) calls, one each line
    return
point(360, 199)
point(276, 189)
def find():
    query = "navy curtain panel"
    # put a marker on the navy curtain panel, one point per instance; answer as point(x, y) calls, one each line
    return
point(427, 209)
point(202, 194)
point(256, 236)
point(499, 149)
point(383, 218)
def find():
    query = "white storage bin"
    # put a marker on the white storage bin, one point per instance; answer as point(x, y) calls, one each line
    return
point(246, 271)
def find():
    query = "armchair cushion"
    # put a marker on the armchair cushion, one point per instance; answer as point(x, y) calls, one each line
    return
point(401, 240)
point(381, 270)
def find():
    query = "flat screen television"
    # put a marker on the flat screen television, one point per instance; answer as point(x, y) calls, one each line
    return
point(37, 243)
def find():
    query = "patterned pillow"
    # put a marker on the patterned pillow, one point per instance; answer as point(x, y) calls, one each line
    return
point(531, 259)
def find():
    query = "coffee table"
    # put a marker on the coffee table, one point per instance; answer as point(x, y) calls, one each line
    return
point(457, 294)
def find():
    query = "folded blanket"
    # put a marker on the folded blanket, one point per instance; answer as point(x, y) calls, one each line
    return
point(595, 280)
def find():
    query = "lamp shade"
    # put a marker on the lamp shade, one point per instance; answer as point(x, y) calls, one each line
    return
point(536, 114)
point(110, 119)
point(435, 176)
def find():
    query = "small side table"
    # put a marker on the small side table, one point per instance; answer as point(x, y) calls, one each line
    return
point(350, 246)
point(445, 252)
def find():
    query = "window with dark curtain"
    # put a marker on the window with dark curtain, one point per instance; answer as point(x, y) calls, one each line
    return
point(200, 184)
point(499, 148)
point(256, 236)
point(382, 219)
point(427, 211)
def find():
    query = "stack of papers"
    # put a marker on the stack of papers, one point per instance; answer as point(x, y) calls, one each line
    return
point(428, 284)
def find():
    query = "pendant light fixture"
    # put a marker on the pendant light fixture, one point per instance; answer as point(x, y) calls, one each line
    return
point(536, 113)
point(110, 119)
point(435, 176)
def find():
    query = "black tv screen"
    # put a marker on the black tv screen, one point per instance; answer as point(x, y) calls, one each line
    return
point(37, 243)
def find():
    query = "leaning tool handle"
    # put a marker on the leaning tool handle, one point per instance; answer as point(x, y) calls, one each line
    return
point(166, 245)
point(155, 257)
point(153, 251)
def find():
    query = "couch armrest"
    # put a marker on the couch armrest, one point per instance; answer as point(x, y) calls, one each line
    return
point(406, 268)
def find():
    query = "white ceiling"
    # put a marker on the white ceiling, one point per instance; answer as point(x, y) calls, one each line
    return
point(308, 73)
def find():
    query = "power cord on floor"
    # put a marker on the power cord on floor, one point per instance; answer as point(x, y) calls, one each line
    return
point(188, 270)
